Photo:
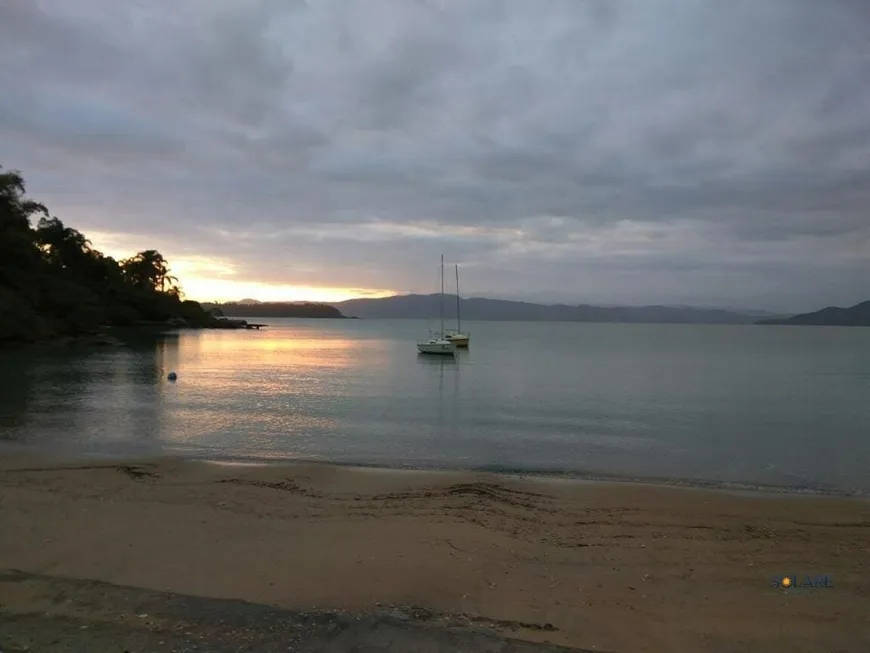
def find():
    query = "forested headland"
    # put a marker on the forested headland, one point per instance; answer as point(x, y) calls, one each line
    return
point(857, 315)
point(54, 283)
point(251, 308)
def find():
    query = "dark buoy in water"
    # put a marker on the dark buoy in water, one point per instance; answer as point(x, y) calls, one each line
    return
point(172, 376)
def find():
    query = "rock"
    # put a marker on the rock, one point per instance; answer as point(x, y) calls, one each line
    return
point(228, 323)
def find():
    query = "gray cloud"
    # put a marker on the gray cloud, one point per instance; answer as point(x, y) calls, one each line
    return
point(637, 151)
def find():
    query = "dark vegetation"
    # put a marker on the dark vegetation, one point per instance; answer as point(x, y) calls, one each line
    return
point(53, 283)
point(857, 315)
point(251, 308)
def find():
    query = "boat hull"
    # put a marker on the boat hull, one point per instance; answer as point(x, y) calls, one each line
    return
point(437, 348)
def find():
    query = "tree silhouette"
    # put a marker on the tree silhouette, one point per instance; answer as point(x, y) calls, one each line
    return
point(148, 270)
point(53, 282)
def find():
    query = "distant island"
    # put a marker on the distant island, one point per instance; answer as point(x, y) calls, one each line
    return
point(55, 286)
point(857, 315)
point(254, 308)
point(478, 308)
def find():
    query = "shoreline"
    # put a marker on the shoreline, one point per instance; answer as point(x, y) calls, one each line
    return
point(547, 475)
point(544, 475)
point(529, 558)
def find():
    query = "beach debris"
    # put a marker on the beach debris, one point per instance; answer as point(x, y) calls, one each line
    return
point(172, 376)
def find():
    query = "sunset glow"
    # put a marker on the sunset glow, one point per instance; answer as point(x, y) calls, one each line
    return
point(220, 290)
point(208, 279)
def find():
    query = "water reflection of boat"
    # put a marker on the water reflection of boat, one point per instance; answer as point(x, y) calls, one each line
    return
point(436, 360)
point(437, 343)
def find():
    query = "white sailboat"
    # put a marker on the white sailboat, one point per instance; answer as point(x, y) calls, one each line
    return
point(437, 343)
point(457, 336)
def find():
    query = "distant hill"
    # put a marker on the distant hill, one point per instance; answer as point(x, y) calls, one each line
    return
point(252, 308)
point(478, 308)
point(857, 315)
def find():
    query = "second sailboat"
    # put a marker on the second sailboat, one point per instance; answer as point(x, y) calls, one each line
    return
point(457, 336)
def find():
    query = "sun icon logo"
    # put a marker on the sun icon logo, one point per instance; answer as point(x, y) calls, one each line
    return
point(786, 581)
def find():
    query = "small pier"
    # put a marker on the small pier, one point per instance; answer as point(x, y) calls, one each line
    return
point(229, 323)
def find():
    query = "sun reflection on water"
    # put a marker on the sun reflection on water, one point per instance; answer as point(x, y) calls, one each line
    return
point(279, 390)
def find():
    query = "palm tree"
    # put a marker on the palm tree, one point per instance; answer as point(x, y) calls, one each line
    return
point(148, 270)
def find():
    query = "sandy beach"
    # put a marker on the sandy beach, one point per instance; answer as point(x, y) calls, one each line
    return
point(598, 566)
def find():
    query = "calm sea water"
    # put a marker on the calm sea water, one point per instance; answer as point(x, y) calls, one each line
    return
point(783, 406)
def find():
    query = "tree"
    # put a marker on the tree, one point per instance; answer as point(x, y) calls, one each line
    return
point(62, 247)
point(148, 270)
point(17, 251)
point(15, 209)
point(53, 281)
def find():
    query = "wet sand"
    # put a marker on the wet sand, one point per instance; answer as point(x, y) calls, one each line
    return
point(600, 566)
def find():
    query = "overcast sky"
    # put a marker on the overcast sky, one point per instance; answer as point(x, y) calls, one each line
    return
point(647, 151)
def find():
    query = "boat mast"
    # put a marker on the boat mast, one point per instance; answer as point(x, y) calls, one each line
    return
point(458, 320)
point(441, 299)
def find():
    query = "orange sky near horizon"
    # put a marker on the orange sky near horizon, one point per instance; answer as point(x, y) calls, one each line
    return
point(210, 279)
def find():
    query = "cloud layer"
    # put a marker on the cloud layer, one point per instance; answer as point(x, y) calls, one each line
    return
point(637, 151)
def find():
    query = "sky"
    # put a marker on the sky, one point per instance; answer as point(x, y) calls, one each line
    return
point(693, 152)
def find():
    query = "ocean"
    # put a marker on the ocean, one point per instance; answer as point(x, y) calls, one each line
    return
point(787, 407)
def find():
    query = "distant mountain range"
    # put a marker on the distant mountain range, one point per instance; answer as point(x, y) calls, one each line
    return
point(478, 308)
point(857, 315)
